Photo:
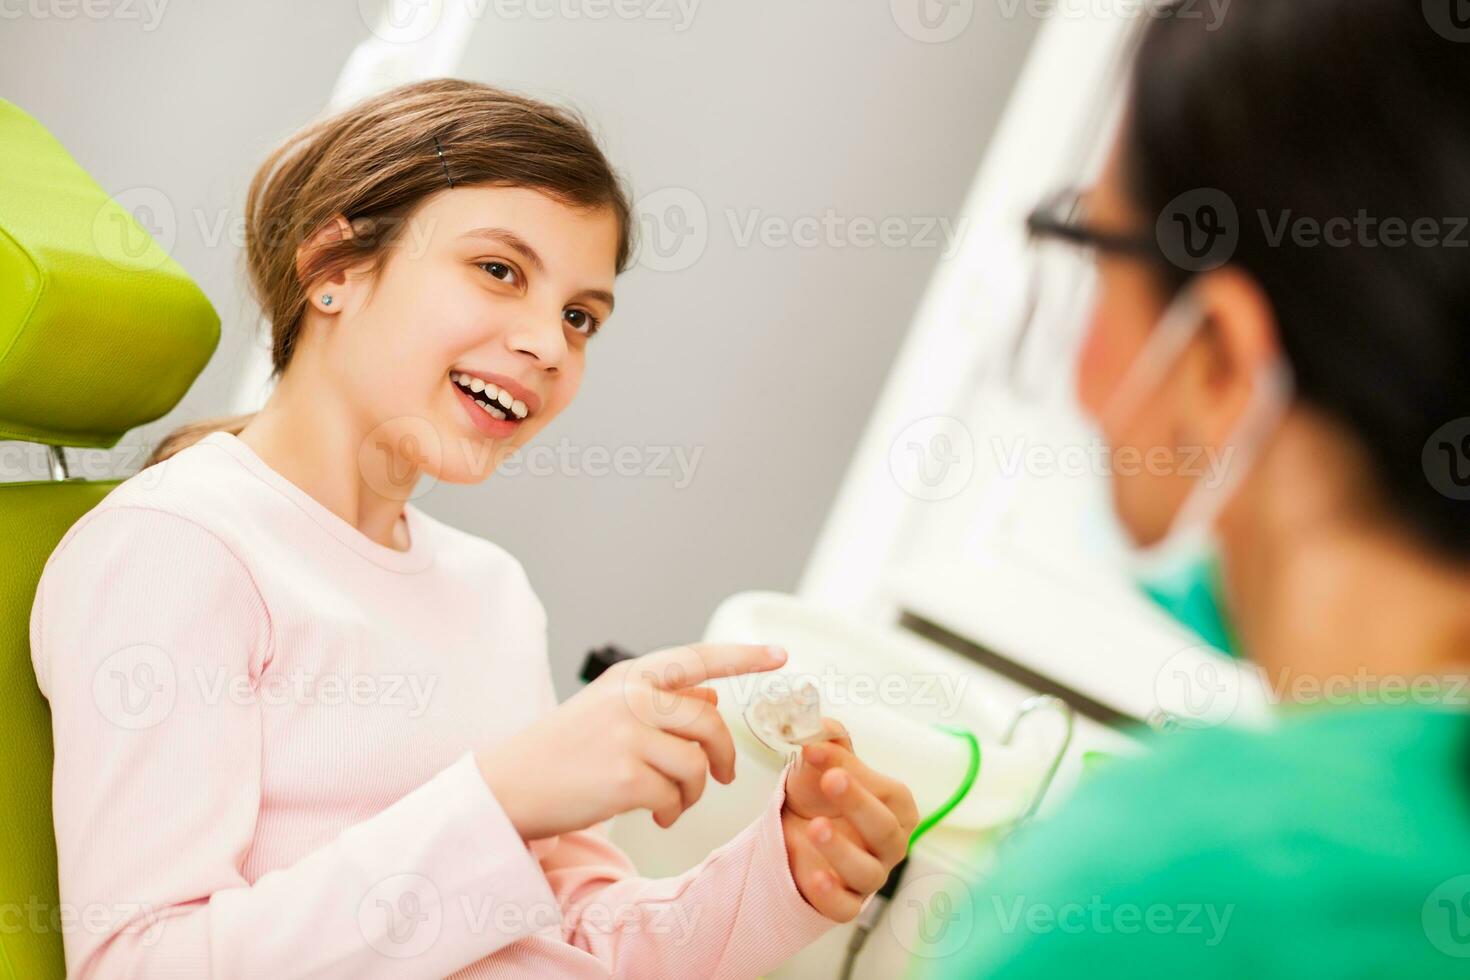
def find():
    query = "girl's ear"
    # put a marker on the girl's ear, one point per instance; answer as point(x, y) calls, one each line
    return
point(323, 293)
point(1240, 344)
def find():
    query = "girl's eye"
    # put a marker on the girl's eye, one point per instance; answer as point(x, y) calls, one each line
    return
point(501, 271)
point(581, 321)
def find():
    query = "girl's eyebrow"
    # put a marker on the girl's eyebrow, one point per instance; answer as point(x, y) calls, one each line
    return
point(601, 295)
point(509, 239)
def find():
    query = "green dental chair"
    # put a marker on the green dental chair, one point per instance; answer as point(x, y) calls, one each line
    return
point(100, 332)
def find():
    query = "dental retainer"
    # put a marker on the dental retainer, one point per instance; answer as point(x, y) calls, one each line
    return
point(785, 714)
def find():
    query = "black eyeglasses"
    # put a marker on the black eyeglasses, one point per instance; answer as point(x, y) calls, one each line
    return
point(1057, 219)
point(1059, 285)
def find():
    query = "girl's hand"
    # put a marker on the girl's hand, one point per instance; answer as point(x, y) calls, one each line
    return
point(640, 736)
point(846, 826)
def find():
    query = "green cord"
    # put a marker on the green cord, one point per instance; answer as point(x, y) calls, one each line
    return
point(960, 792)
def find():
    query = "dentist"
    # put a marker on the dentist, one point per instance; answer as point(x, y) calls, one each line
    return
point(1322, 334)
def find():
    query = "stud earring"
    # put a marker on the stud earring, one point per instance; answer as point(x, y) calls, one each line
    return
point(327, 299)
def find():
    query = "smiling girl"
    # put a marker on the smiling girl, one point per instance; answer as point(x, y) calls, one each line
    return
point(304, 729)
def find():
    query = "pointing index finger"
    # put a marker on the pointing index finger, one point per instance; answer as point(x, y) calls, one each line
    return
point(694, 664)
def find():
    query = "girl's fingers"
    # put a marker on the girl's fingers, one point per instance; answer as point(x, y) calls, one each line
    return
point(820, 753)
point(818, 883)
point(661, 796)
point(825, 755)
point(860, 871)
point(709, 730)
point(872, 818)
point(686, 666)
point(702, 693)
point(829, 753)
point(832, 898)
point(837, 732)
point(680, 761)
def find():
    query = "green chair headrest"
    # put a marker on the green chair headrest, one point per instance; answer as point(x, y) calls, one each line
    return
point(100, 329)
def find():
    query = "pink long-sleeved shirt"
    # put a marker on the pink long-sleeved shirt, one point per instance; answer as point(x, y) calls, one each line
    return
point(264, 725)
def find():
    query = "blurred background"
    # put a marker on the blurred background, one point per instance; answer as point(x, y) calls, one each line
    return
point(801, 170)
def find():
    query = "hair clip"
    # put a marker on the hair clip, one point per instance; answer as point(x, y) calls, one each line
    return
point(443, 162)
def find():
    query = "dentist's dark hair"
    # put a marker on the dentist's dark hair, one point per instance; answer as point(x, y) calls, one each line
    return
point(1329, 109)
point(374, 163)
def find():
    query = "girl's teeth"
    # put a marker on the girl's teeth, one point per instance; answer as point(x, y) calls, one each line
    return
point(504, 404)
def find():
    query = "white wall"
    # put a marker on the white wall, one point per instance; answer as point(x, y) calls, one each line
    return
point(761, 357)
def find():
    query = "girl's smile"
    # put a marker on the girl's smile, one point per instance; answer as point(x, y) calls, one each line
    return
point(496, 405)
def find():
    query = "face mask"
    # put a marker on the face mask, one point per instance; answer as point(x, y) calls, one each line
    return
point(1193, 595)
point(1182, 572)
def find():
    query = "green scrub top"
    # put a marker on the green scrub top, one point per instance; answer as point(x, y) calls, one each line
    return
point(1335, 845)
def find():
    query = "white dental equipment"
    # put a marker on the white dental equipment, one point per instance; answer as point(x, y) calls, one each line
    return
point(773, 714)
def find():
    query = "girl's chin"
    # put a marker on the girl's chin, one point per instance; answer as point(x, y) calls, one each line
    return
point(465, 476)
point(471, 457)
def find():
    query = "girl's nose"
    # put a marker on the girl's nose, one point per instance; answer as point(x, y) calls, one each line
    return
point(541, 337)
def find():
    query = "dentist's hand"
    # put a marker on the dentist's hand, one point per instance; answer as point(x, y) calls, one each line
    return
point(846, 826)
point(640, 736)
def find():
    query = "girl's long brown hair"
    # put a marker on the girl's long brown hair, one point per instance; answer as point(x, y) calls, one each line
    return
point(374, 163)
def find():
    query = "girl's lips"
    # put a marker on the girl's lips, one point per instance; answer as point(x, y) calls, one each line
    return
point(482, 420)
point(518, 391)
